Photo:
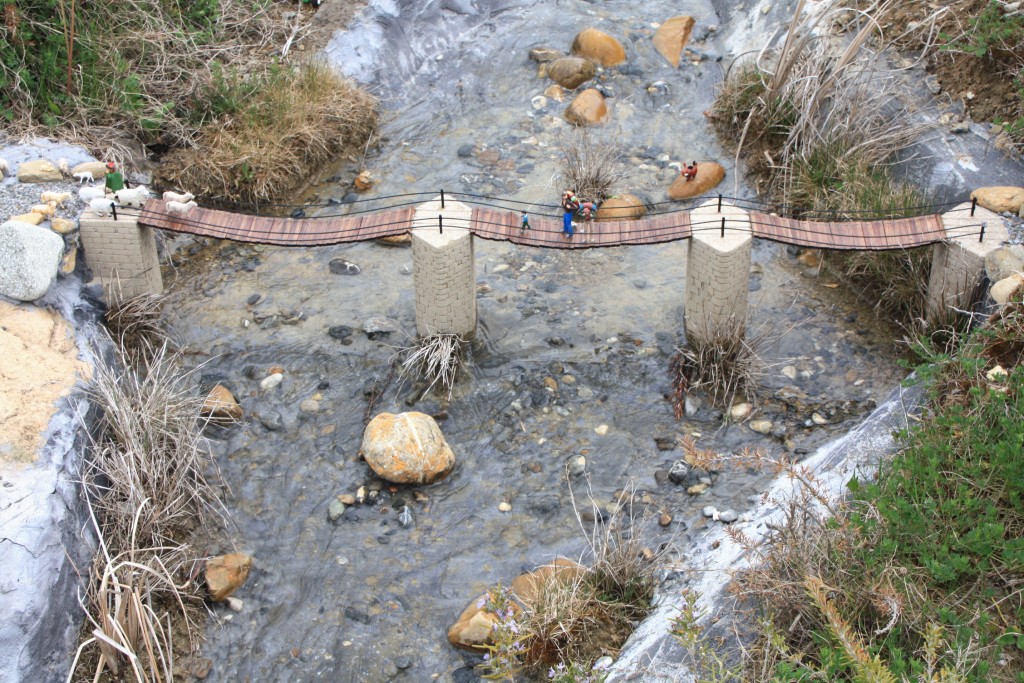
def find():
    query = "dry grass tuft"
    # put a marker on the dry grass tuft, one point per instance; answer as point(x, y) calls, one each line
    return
point(137, 327)
point(283, 133)
point(436, 359)
point(590, 167)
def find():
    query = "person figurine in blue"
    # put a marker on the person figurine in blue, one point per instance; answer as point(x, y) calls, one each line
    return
point(570, 204)
point(524, 223)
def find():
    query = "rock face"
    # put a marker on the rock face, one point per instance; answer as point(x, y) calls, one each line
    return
point(672, 36)
point(626, 207)
point(598, 47)
point(38, 171)
point(226, 573)
point(407, 448)
point(29, 259)
point(220, 404)
point(587, 109)
point(709, 174)
point(1004, 262)
point(1000, 199)
point(571, 72)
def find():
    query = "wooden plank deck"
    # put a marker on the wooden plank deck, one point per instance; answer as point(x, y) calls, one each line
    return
point(545, 230)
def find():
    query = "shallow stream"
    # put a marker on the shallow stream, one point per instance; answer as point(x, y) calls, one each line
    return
point(571, 357)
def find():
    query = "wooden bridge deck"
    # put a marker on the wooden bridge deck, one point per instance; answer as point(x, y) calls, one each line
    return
point(504, 225)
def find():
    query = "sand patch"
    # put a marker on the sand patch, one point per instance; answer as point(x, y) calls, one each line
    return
point(38, 365)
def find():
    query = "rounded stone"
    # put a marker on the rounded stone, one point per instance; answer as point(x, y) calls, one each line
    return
point(709, 175)
point(599, 47)
point(407, 448)
point(571, 72)
point(587, 109)
point(625, 207)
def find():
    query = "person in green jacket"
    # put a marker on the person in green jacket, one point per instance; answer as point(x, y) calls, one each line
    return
point(115, 181)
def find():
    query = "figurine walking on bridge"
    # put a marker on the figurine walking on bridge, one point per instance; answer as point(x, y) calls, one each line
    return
point(524, 223)
point(570, 204)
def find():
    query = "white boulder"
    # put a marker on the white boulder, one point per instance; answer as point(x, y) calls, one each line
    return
point(29, 259)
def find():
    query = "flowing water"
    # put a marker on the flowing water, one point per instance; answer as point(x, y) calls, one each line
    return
point(571, 356)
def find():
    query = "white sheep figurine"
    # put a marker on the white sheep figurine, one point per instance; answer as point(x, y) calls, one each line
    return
point(57, 198)
point(47, 209)
point(87, 194)
point(179, 208)
point(63, 167)
point(175, 197)
point(5, 167)
point(101, 206)
point(83, 176)
point(135, 196)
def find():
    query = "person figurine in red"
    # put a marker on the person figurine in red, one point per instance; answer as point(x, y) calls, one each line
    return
point(570, 204)
point(689, 171)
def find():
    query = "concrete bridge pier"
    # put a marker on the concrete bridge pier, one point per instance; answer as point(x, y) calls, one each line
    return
point(121, 254)
point(444, 272)
point(958, 264)
point(717, 272)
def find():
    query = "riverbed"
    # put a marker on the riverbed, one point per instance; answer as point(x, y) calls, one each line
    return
point(571, 356)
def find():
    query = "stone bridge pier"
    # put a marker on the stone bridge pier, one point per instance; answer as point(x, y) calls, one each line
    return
point(958, 264)
point(444, 273)
point(121, 254)
point(717, 272)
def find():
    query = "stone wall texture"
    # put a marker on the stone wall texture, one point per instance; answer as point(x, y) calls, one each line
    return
point(444, 271)
point(121, 254)
point(717, 272)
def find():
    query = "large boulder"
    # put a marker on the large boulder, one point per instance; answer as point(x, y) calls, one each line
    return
point(1004, 262)
point(709, 174)
point(571, 72)
point(226, 573)
point(407, 448)
point(38, 171)
point(1000, 199)
point(29, 259)
point(672, 36)
point(587, 109)
point(625, 207)
point(598, 47)
point(1007, 288)
point(97, 168)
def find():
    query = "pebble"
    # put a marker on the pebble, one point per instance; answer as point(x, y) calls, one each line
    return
point(271, 381)
point(664, 519)
point(740, 411)
point(504, 506)
point(709, 511)
point(691, 406)
point(335, 510)
point(762, 426)
point(235, 604)
point(603, 663)
point(272, 420)
point(347, 499)
point(340, 331)
point(789, 372)
point(405, 517)
point(818, 419)
point(729, 516)
point(310, 406)
point(576, 465)
point(601, 430)
point(253, 299)
point(403, 662)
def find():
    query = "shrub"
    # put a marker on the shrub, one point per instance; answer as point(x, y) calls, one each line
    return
point(281, 130)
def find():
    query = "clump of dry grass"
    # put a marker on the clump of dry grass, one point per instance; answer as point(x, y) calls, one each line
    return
point(590, 167)
point(137, 327)
point(284, 133)
point(437, 359)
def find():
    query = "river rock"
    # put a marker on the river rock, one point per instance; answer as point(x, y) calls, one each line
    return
point(542, 55)
point(554, 92)
point(761, 426)
point(587, 109)
point(271, 381)
point(625, 207)
point(527, 585)
point(335, 510)
point(29, 259)
point(672, 36)
point(220, 404)
point(729, 516)
point(62, 226)
point(1007, 288)
point(97, 168)
point(740, 411)
point(38, 171)
point(999, 198)
point(598, 47)
point(504, 506)
point(340, 266)
point(571, 72)
point(402, 240)
point(576, 465)
point(709, 174)
point(226, 573)
point(1004, 262)
point(407, 448)
point(474, 629)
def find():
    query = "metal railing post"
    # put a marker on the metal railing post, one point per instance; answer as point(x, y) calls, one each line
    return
point(974, 204)
point(442, 198)
point(723, 227)
point(981, 236)
point(440, 224)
